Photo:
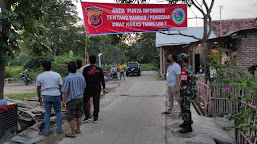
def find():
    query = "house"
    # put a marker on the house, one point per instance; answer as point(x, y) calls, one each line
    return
point(232, 25)
point(237, 40)
point(240, 45)
point(181, 44)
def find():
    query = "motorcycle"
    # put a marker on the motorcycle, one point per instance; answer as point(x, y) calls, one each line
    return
point(114, 75)
point(25, 77)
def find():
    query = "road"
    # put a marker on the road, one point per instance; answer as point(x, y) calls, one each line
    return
point(133, 118)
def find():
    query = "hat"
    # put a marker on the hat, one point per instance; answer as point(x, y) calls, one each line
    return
point(184, 56)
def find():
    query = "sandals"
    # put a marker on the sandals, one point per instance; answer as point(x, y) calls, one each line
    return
point(78, 132)
point(70, 136)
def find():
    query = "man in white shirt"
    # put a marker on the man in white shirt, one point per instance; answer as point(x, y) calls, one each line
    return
point(50, 83)
point(173, 78)
point(113, 71)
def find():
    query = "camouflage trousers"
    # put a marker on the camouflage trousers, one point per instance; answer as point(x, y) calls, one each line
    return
point(185, 110)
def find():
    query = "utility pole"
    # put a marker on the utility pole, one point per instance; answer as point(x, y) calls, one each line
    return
point(221, 7)
point(99, 55)
point(196, 20)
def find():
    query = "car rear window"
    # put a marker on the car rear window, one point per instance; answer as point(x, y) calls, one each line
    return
point(132, 64)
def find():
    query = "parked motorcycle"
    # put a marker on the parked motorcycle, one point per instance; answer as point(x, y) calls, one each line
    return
point(114, 76)
point(25, 77)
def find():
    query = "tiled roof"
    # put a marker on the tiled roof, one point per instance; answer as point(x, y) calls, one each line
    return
point(232, 25)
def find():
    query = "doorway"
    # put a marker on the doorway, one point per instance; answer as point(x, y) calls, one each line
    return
point(197, 62)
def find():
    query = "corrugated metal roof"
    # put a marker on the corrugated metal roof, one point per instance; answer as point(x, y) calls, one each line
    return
point(169, 40)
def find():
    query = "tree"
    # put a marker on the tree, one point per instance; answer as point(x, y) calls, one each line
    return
point(19, 16)
point(112, 46)
point(145, 49)
point(63, 32)
point(207, 20)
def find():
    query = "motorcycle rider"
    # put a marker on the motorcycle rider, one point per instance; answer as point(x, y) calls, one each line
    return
point(113, 71)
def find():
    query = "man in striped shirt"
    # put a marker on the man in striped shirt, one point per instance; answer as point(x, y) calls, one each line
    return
point(73, 90)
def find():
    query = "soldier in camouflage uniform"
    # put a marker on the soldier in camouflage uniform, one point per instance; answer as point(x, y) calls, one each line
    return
point(188, 92)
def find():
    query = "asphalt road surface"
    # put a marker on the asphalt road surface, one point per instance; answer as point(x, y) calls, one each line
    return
point(133, 118)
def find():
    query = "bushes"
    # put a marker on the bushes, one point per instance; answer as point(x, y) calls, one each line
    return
point(148, 67)
point(13, 71)
point(60, 63)
point(107, 67)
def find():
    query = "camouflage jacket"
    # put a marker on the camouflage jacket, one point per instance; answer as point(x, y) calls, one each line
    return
point(188, 88)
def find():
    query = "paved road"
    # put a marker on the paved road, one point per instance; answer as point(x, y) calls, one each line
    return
point(133, 118)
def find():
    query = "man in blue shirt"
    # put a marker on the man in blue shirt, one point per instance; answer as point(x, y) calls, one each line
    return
point(73, 90)
point(173, 77)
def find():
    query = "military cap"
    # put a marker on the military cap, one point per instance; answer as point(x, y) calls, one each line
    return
point(184, 56)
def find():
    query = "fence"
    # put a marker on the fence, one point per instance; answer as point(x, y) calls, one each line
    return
point(203, 95)
point(219, 103)
point(215, 101)
point(250, 136)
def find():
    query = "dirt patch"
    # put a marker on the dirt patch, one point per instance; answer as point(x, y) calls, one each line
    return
point(16, 88)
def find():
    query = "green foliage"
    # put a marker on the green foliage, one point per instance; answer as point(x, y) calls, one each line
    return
point(33, 32)
point(18, 59)
point(143, 50)
point(60, 63)
point(13, 71)
point(244, 118)
point(63, 32)
point(107, 68)
point(148, 67)
point(34, 73)
point(112, 47)
point(8, 36)
point(226, 73)
point(34, 62)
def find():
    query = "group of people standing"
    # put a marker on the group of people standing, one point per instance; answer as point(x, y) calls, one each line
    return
point(181, 86)
point(84, 82)
point(74, 93)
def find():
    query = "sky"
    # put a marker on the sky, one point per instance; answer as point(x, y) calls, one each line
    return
point(232, 9)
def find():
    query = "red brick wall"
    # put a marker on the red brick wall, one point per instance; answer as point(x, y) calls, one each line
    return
point(247, 52)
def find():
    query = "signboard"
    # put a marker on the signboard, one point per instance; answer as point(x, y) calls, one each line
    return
point(104, 18)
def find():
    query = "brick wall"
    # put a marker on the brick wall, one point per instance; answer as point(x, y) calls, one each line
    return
point(247, 52)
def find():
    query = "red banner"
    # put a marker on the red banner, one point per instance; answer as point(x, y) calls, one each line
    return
point(103, 18)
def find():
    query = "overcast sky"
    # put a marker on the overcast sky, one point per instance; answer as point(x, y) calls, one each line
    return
point(232, 9)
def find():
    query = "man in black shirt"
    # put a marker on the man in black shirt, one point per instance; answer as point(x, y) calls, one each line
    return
point(93, 77)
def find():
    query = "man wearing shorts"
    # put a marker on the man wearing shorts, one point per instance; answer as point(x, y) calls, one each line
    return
point(73, 90)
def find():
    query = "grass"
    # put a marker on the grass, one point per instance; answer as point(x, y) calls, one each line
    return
point(21, 96)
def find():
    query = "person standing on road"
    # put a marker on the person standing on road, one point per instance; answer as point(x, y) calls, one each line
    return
point(50, 83)
point(73, 90)
point(94, 78)
point(80, 69)
point(122, 69)
point(173, 78)
point(188, 92)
